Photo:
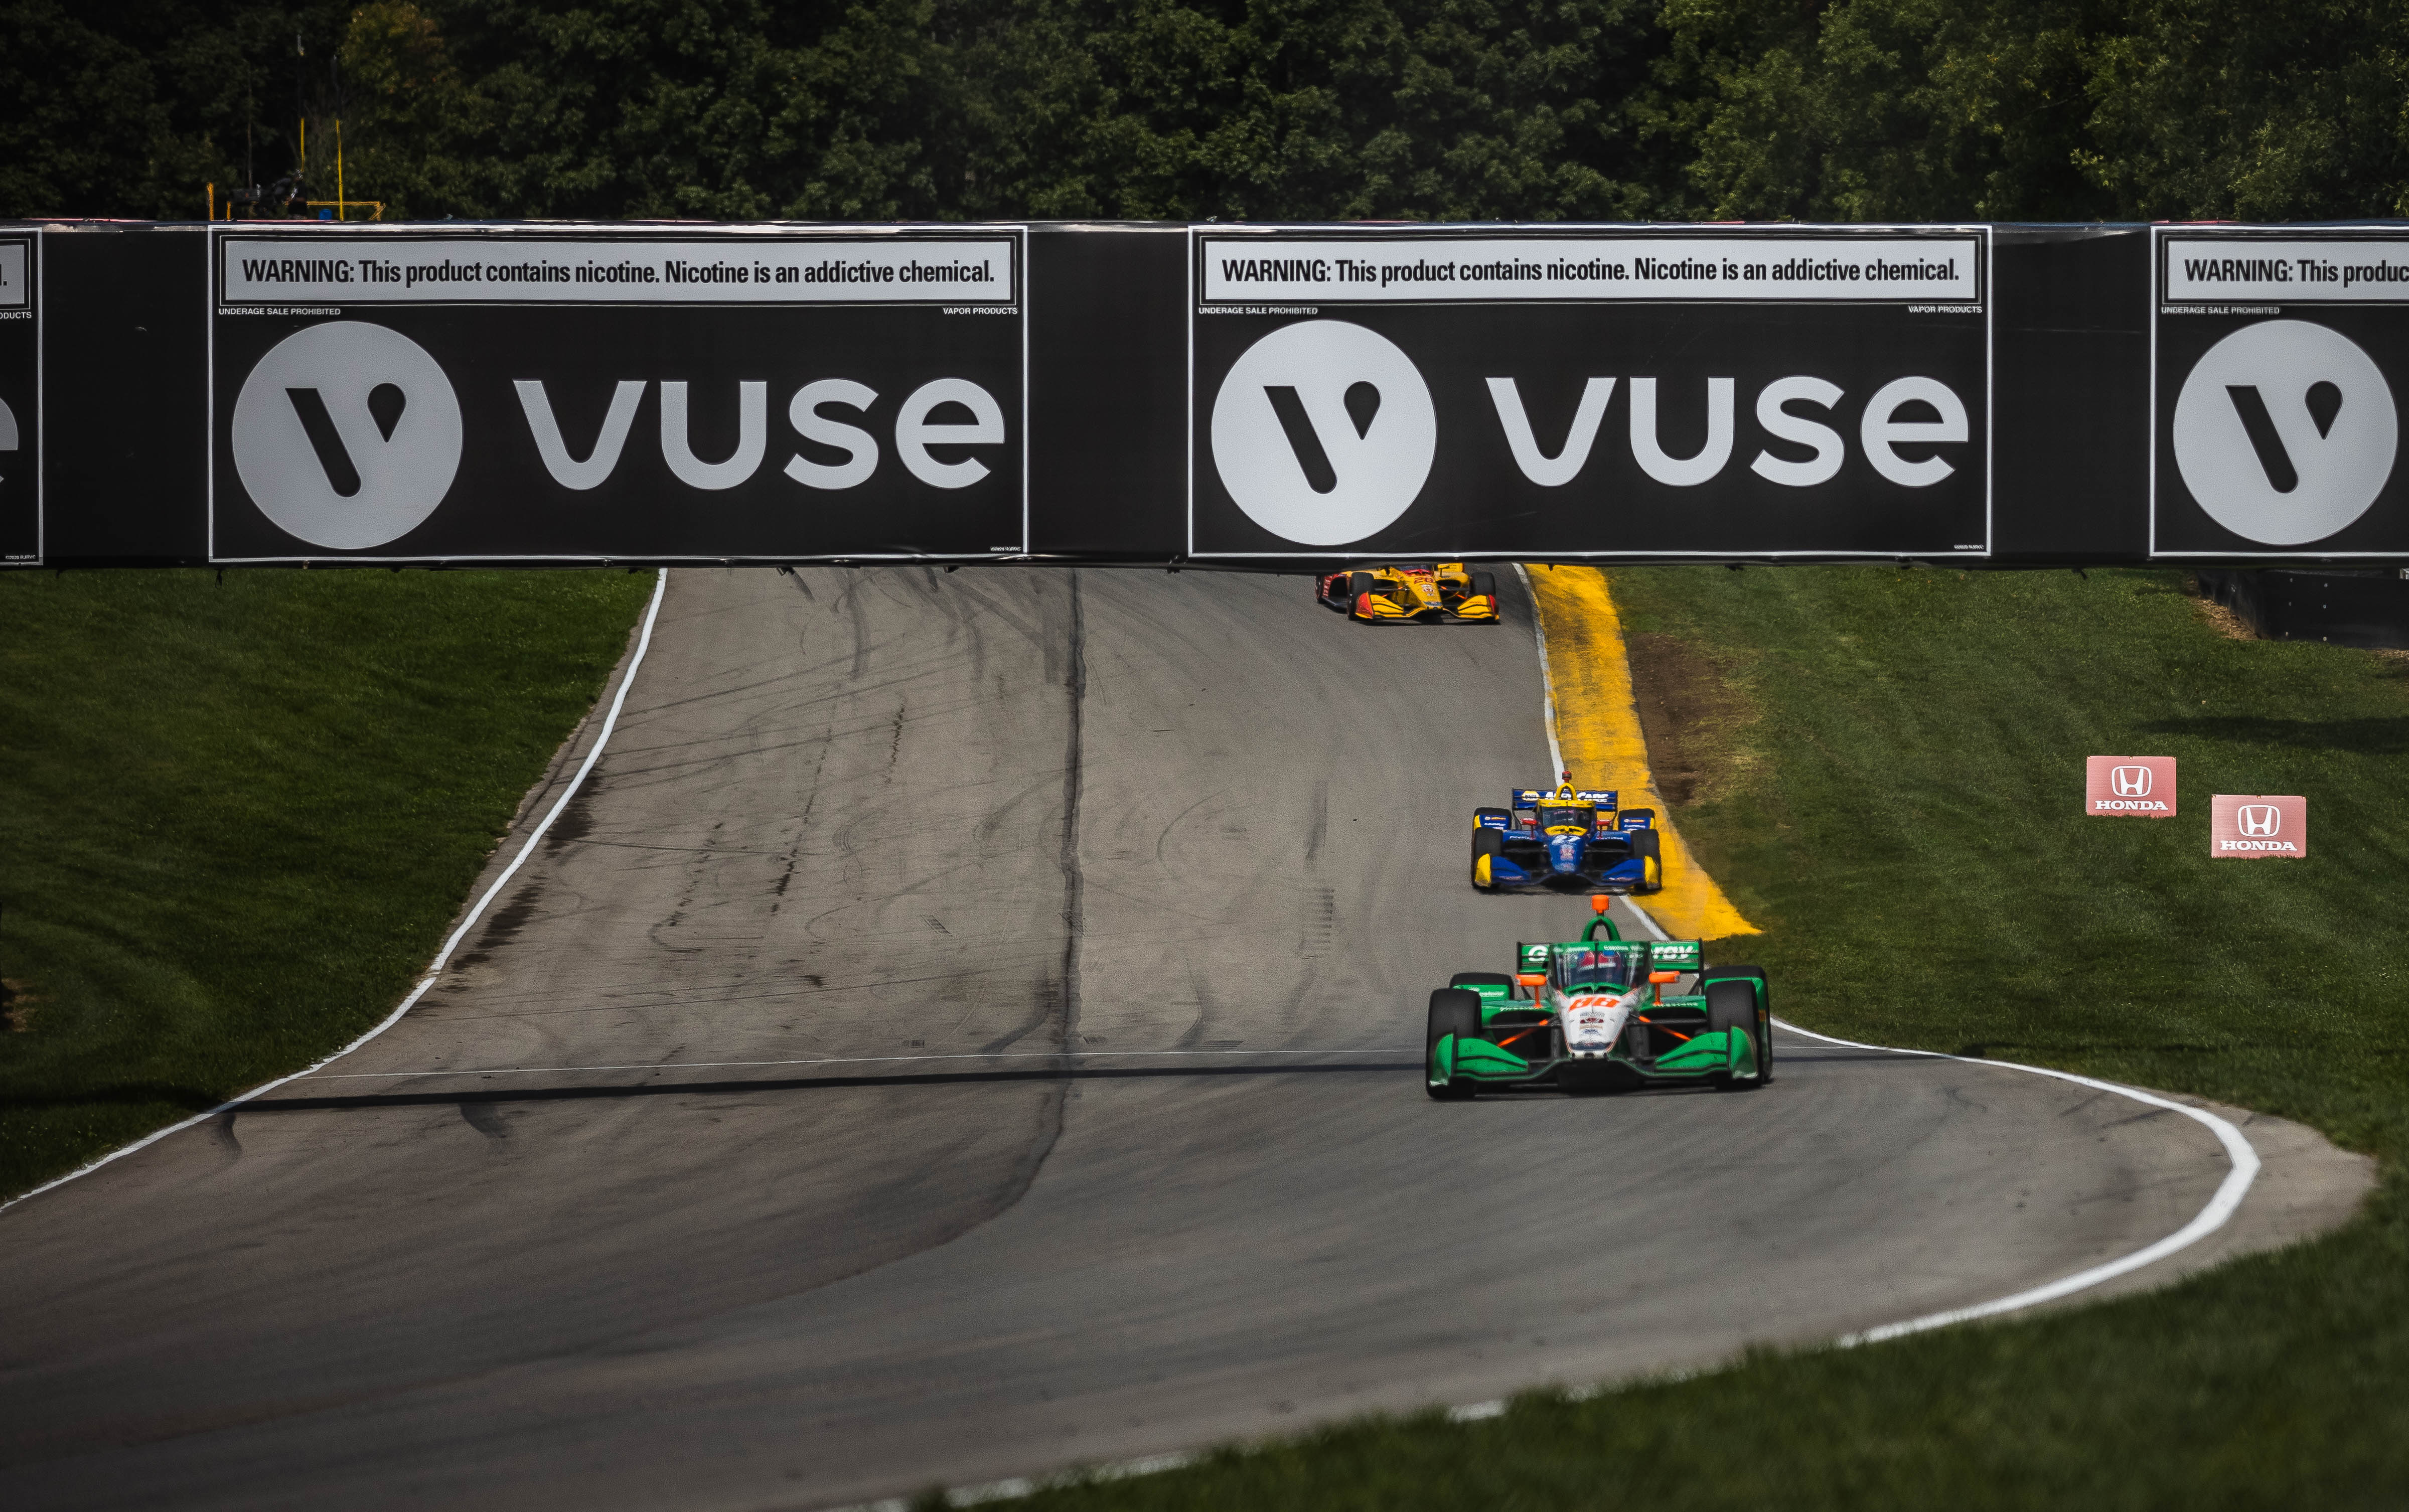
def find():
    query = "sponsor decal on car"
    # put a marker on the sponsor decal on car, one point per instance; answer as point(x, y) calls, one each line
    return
point(2253, 826)
point(2129, 787)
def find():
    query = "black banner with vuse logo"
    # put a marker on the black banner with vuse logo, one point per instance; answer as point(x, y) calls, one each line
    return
point(1259, 397)
point(1563, 393)
point(2275, 361)
point(513, 395)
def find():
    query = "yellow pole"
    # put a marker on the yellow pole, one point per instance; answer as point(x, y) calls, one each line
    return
point(342, 211)
point(213, 199)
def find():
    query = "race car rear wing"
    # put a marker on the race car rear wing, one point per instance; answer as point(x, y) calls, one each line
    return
point(1675, 955)
point(1663, 956)
point(1525, 798)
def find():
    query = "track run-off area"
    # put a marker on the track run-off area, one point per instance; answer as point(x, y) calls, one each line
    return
point(965, 1025)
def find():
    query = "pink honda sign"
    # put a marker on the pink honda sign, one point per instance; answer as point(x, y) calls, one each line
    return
point(2129, 787)
point(2249, 826)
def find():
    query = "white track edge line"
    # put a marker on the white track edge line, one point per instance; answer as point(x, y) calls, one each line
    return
point(1017, 1487)
point(1547, 678)
point(476, 911)
point(2221, 1205)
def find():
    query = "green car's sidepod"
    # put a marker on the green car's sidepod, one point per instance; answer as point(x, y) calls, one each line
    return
point(1501, 1030)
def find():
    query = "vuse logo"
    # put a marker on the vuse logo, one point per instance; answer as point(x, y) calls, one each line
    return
point(1323, 432)
point(2285, 432)
point(347, 434)
point(2131, 787)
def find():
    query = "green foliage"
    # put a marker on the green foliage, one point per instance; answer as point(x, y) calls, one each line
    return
point(875, 110)
point(1459, 109)
point(2042, 109)
point(2223, 108)
point(238, 816)
point(83, 124)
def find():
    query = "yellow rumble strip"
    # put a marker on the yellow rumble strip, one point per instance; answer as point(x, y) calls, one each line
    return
point(1597, 725)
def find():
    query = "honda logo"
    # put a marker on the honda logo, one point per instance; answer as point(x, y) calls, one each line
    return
point(2131, 788)
point(2251, 826)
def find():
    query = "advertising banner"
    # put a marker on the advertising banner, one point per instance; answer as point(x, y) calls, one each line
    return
point(1567, 392)
point(533, 394)
point(2275, 358)
point(20, 400)
point(2129, 787)
point(2257, 826)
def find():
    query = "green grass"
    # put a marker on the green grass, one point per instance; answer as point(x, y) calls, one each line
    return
point(237, 816)
point(1894, 795)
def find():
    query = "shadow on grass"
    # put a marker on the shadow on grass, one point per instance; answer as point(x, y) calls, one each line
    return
point(130, 1094)
point(2384, 735)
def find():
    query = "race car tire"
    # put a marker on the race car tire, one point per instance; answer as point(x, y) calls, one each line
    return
point(1481, 817)
point(1486, 583)
point(1489, 842)
point(1648, 845)
point(1764, 1013)
point(1359, 584)
point(1452, 1011)
point(1481, 979)
point(1732, 1004)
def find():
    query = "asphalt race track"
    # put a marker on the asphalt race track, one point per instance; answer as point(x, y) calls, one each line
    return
point(742, 1159)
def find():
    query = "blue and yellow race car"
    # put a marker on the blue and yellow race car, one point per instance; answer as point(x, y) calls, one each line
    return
point(1567, 840)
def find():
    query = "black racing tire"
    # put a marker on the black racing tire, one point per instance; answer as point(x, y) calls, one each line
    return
point(1764, 1013)
point(1649, 845)
point(1359, 584)
point(1733, 1003)
point(1486, 583)
point(1452, 1011)
point(1481, 979)
point(1485, 841)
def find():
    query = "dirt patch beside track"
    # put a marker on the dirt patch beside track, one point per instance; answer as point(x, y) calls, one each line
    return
point(1691, 716)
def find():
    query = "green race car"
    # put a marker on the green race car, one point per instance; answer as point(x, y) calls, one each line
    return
point(1591, 1014)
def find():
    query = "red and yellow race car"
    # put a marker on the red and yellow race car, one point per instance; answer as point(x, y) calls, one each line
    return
point(1413, 593)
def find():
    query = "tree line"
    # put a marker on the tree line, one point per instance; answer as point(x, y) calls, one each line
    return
point(1190, 109)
